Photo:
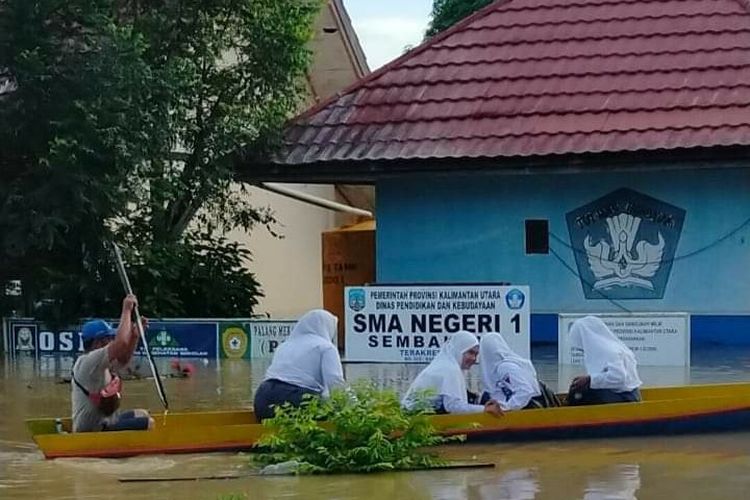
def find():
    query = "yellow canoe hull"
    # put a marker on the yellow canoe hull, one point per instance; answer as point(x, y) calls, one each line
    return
point(665, 411)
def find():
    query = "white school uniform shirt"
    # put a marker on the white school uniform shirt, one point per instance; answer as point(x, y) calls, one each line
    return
point(508, 378)
point(308, 358)
point(444, 377)
point(609, 362)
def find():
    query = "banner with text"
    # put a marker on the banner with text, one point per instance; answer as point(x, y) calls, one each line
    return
point(30, 336)
point(656, 339)
point(172, 337)
point(183, 339)
point(267, 336)
point(411, 323)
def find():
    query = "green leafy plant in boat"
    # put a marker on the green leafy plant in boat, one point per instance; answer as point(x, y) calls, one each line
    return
point(361, 429)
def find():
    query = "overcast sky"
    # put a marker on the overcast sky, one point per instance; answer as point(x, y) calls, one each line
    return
point(386, 27)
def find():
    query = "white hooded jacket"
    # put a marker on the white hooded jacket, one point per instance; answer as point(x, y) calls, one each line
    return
point(308, 358)
point(609, 362)
point(508, 378)
point(444, 377)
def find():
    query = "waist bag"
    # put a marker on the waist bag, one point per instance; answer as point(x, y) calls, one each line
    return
point(107, 399)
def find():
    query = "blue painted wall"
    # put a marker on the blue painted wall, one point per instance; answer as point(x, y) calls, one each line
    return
point(470, 228)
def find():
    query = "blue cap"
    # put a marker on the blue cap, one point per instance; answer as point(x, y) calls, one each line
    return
point(97, 329)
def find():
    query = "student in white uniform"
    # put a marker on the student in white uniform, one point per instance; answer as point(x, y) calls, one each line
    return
point(611, 368)
point(510, 379)
point(444, 379)
point(307, 363)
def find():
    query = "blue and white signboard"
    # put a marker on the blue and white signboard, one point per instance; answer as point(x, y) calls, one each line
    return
point(177, 338)
point(32, 337)
point(656, 339)
point(184, 339)
point(395, 324)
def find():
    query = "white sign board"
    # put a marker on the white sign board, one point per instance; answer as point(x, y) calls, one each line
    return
point(410, 323)
point(267, 336)
point(656, 339)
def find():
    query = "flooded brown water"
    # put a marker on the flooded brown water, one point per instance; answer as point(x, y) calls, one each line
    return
point(708, 466)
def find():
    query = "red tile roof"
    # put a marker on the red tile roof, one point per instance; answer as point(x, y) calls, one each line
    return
point(541, 77)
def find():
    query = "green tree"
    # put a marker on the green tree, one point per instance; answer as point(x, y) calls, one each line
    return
point(70, 79)
point(117, 119)
point(446, 13)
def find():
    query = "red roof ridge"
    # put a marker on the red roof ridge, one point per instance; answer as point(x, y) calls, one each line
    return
point(528, 95)
point(563, 57)
point(574, 112)
point(564, 74)
point(564, 22)
point(592, 3)
point(413, 52)
point(545, 133)
point(599, 38)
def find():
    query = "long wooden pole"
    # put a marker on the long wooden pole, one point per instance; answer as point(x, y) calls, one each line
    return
point(129, 290)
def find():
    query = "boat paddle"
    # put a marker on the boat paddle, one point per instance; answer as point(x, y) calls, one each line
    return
point(129, 290)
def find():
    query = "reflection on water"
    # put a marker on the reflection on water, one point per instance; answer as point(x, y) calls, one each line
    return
point(518, 484)
point(714, 466)
point(512, 484)
point(621, 482)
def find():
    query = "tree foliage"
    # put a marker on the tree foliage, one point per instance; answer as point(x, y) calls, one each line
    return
point(116, 121)
point(446, 13)
point(365, 430)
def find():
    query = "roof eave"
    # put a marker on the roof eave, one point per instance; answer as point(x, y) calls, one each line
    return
point(369, 172)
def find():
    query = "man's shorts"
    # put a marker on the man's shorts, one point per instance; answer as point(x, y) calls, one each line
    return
point(127, 421)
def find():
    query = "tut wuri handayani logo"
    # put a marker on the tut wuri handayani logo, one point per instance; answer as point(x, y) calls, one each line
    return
point(624, 244)
point(356, 299)
point(515, 299)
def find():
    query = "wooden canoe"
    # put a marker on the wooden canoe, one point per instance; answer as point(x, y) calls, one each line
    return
point(663, 411)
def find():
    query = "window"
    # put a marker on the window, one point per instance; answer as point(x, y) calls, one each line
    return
point(537, 236)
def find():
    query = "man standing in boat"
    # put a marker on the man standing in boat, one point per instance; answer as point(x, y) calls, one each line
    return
point(95, 387)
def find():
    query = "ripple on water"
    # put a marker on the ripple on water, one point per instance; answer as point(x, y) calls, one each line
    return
point(118, 466)
point(19, 457)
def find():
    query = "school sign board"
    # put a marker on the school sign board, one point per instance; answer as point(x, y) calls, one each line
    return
point(656, 339)
point(395, 324)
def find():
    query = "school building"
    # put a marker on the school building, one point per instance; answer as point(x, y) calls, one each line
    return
point(595, 150)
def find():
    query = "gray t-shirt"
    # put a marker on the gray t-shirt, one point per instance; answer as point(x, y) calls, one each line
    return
point(92, 371)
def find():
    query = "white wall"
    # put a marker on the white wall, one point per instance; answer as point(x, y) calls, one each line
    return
point(289, 269)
